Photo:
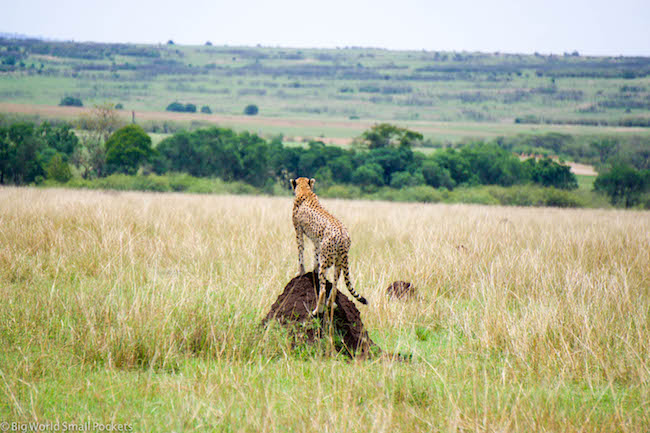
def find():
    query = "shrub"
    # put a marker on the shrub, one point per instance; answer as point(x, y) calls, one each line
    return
point(181, 108)
point(369, 174)
point(251, 110)
point(421, 193)
point(176, 106)
point(58, 170)
point(206, 110)
point(403, 179)
point(71, 101)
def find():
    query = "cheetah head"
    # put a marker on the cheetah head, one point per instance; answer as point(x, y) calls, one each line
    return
point(302, 185)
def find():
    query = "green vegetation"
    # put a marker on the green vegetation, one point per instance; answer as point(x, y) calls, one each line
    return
point(127, 149)
point(28, 152)
point(485, 90)
point(381, 165)
point(625, 185)
point(71, 101)
point(251, 110)
point(181, 108)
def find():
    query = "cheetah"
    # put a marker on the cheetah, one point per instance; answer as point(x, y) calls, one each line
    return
point(331, 240)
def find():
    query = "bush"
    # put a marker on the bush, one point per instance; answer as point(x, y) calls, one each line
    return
point(176, 106)
point(403, 179)
point(206, 110)
point(71, 101)
point(58, 170)
point(251, 110)
point(421, 193)
point(369, 174)
point(181, 108)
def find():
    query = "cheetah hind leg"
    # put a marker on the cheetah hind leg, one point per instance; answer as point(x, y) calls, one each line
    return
point(331, 304)
point(322, 280)
point(316, 262)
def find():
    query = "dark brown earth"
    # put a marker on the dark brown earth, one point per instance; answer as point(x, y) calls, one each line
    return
point(401, 289)
point(293, 309)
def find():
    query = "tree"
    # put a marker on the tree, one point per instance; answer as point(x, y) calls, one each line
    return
point(605, 148)
point(59, 138)
point(71, 101)
point(623, 184)
point(367, 175)
point(386, 135)
point(25, 148)
point(97, 126)
point(437, 176)
point(58, 170)
point(176, 106)
point(403, 179)
point(547, 172)
point(206, 110)
point(251, 110)
point(127, 149)
point(7, 156)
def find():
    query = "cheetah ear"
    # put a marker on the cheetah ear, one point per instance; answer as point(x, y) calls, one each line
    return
point(312, 181)
point(293, 183)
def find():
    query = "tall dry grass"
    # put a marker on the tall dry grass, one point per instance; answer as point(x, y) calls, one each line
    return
point(527, 319)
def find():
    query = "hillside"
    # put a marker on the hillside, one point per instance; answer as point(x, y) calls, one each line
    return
point(347, 83)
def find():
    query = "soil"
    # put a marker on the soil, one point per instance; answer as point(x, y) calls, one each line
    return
point(294, 306)
point(401, 289)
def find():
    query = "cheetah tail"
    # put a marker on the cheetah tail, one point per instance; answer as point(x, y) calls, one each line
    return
point(346, 275)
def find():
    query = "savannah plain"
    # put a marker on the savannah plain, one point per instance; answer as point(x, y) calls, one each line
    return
point(145, 309)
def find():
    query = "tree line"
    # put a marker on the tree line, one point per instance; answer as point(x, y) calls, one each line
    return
point(382, 156)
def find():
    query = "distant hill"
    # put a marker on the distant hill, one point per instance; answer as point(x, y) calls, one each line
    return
point(477, 90)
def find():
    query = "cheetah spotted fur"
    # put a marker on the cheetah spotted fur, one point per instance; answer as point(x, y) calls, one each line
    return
point(331, 240)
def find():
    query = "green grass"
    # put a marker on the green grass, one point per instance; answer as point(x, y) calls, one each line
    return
point(585, 182)
point(145, 309)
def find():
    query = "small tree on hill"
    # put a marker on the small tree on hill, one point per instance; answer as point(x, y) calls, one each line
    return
point(251, 110)
point(387, 135)
point(71, 101)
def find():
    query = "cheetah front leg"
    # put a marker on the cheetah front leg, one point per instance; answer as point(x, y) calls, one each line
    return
point(300, 240)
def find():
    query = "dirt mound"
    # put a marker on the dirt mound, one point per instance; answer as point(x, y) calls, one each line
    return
point(294, 306)
point(401, 289)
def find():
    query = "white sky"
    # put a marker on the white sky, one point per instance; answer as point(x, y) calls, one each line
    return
point(595, 27)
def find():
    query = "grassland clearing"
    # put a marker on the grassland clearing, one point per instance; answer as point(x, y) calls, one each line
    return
point(145, 309)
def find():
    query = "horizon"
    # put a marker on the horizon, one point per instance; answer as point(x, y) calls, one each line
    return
point(20, 36)
point(592, 28)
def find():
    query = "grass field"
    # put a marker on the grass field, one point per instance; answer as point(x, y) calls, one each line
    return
point(331, 130)
point(144, 310)
point(453, 95)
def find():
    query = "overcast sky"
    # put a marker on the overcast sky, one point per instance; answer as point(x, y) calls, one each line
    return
point(595, 27)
